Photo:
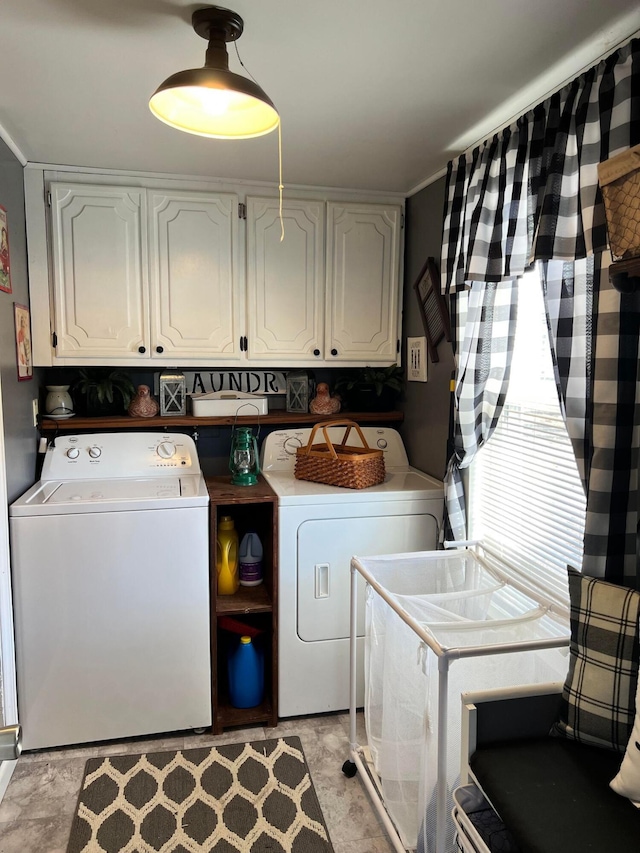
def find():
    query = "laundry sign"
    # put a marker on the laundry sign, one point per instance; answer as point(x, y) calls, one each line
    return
point(247, 381)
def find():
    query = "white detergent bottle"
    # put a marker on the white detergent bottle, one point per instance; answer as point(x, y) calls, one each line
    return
point(250, 560)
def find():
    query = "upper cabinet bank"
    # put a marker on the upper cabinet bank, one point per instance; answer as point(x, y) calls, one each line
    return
point(185, 274)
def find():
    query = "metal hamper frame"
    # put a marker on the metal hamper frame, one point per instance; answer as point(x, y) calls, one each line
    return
point(446, 657)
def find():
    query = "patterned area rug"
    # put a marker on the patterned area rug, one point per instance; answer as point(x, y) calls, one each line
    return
point(242, 798)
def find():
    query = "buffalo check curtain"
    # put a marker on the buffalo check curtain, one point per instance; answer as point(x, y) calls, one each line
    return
point(528, 196)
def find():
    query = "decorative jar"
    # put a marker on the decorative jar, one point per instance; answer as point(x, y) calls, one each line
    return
point(58, 401)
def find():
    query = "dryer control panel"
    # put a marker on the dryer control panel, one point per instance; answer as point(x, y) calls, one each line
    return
point(119, 455)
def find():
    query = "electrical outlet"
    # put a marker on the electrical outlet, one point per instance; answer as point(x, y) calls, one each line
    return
point(417, 359)
point(34, 405)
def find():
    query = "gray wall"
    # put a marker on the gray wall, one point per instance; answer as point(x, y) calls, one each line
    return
point(19, 433)
point(426, 404)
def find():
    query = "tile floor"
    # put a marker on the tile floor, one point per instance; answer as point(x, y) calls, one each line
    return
point(38, 806)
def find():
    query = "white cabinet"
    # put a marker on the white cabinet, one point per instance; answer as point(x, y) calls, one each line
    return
point(140, 274)
point(195, 300)
point(329, 292)
point(363, 262)
point(129, 272)
point(285, 280)
point(100, 300)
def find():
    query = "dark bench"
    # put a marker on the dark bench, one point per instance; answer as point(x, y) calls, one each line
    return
point(551, 794)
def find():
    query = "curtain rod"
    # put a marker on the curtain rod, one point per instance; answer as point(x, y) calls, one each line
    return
point(531, 106)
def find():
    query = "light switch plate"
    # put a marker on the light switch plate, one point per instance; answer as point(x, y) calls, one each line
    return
point(417, 359)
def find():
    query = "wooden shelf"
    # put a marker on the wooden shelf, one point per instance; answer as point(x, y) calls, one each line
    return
point(276, 418)
point(248, 599)
point(251, 507)
point(228, 717)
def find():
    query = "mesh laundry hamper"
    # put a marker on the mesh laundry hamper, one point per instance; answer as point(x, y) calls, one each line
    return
point(477, 622)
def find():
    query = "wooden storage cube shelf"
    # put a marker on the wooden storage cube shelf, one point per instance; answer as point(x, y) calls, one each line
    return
point(225, 714)
point(252, 508)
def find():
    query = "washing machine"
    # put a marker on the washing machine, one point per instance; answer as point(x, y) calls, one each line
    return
point(110, 574)
point(320, 528)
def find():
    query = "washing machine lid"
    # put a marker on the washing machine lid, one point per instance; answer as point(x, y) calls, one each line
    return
point(59, 497)
point(399, 484)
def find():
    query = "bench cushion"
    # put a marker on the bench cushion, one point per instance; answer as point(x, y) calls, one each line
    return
point(554, 795)
point(598, 699)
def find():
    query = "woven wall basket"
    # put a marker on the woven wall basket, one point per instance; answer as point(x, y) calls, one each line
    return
point(619, 179)
point(339, 464)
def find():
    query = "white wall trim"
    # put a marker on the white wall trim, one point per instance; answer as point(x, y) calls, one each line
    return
point(6, 772)
point(427, 182)
point(9, 142)
point(7, 643)
point(62, 172)
point(592, 52)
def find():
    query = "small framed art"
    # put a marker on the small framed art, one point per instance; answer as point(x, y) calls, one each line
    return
point(5, 268)
point(433, 308)
point(23, 342)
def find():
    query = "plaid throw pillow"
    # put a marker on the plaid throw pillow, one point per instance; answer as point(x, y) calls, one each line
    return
point(598, 698)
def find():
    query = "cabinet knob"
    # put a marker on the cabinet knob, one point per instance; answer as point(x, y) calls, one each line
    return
point(334, 352)
point(159, 349)
point(142, 349)
point(316, 352)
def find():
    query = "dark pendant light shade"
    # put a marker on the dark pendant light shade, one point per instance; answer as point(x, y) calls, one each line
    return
point(213, 101)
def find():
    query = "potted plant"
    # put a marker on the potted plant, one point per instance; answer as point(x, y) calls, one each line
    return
point(105, 391)
point(370, 389)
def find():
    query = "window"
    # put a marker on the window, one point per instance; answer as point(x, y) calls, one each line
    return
point(526, 501)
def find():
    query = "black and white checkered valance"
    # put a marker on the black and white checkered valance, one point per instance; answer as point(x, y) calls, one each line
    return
point(530, 194)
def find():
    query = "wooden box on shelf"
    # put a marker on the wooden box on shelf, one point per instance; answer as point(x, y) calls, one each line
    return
point(252, 508)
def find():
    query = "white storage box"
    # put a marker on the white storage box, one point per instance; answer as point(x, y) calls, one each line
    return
point(225, 403)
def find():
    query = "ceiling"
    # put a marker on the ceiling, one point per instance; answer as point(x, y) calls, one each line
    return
point(372, 95)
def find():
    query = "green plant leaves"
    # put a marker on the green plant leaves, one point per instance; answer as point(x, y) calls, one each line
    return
point(377, 378)
point(102, 385)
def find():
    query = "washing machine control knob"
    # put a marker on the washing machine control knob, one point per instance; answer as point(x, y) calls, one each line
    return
point(166, 450)
point(73, 453)
point(382, 443)
point(95, 452)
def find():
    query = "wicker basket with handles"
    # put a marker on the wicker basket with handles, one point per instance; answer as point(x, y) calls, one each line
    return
point(339, 464)
point(619, 179)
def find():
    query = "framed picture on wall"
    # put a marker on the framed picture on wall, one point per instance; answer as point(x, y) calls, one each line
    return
point(5, 269)
point(23, 342)
point(432, 306)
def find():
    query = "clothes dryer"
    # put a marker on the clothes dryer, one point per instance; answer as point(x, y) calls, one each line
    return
point(320, 528)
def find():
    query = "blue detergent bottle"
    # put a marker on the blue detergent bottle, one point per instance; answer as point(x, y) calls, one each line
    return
point(246, 675)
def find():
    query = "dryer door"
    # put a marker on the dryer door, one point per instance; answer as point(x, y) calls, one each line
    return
point(325, 548)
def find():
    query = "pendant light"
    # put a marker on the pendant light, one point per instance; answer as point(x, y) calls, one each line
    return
point(213, 101)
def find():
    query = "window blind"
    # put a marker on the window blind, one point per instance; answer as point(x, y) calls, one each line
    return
point(526, 501)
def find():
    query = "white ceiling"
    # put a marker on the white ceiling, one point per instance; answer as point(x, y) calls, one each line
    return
point(373, 94)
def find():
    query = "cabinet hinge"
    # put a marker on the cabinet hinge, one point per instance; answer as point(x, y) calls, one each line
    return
point(242, 211)
point(47, 196)
point(402, 220)
point(398, 345)
point(54, 340)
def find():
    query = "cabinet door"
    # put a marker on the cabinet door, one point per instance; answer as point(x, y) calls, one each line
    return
point(285, 280)
point(99, 257)
point(363, 261)
point(194, 292)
